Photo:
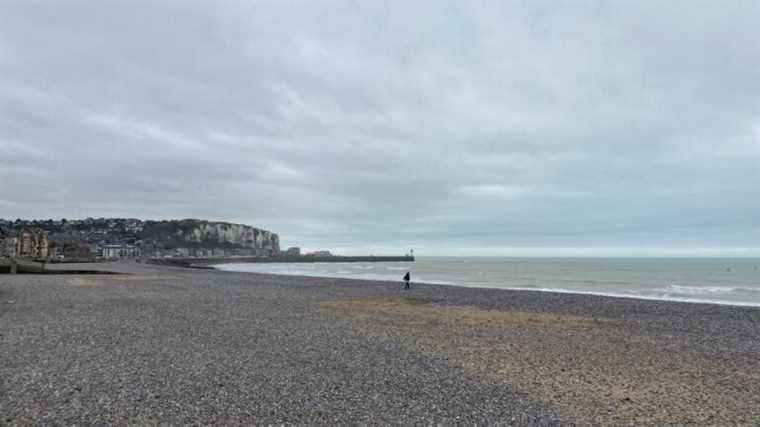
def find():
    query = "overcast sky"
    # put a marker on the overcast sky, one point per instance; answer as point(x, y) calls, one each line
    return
point(452, 127)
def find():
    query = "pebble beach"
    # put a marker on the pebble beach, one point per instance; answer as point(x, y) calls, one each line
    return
point(169, 345)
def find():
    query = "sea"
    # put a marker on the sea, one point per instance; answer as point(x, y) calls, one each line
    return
point(733, 281)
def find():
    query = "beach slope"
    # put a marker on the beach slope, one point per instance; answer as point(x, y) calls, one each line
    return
point(172, 345)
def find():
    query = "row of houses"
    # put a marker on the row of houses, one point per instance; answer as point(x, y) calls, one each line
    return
point(84, 251)
point(27, 243)
point(35, 244)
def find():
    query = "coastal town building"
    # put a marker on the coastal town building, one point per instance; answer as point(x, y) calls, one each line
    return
point(119, 251)
point(56, 251)
point(27, 243)
point(33, 244)
point(293, 251)
point(319, 253)
point(9, 247)
point(8, 244)
point(77, 251)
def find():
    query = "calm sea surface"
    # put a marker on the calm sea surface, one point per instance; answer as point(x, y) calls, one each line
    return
point(716, 280)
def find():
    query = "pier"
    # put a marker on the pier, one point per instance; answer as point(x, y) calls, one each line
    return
point(206, 262)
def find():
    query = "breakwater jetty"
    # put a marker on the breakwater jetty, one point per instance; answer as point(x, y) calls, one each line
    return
point(206, 262)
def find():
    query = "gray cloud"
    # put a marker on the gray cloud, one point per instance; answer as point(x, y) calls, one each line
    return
point(502, 127)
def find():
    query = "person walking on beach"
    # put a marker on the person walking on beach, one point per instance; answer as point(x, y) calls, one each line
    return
point(407, 279)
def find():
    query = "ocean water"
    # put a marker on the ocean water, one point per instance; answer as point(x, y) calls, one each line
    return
point(705, 280)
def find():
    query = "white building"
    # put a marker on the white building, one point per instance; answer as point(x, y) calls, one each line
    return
point(119, 251)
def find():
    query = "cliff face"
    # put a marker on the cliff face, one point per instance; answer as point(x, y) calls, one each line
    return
point(236, 234)
point(199, 233)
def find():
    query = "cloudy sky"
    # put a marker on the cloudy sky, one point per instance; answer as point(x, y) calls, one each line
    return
point(509, 127)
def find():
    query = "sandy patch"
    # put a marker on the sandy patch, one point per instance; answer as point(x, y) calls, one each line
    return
point(593, 370)
point(91, 282)
point(417, 309)
point(79, 282)
point(143, 278)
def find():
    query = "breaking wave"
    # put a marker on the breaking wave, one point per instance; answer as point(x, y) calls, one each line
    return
point(706, 290)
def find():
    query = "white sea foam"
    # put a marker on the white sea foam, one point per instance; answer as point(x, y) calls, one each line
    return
point(697, 290)
point(707, 290)
point(639, 296)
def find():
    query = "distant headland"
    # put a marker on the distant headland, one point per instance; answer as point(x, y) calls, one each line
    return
point(119, 238)
point(181, 241)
